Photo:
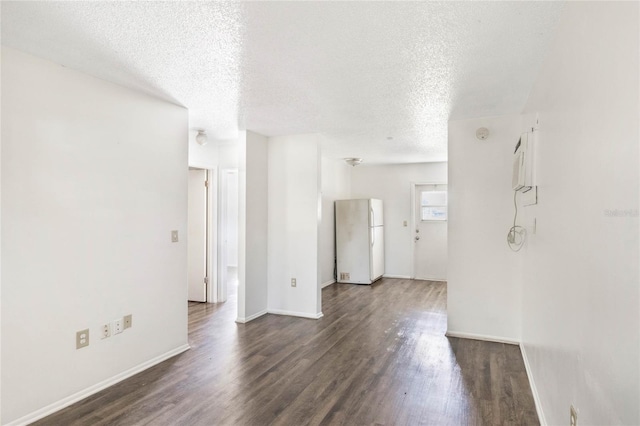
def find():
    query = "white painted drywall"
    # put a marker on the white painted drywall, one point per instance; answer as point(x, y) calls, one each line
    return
point(336, 185)
point(230, 203)
point(0, 244)
point(94, 178)
point(228, 154)
point(484, 287)
point(293, 216)
point(581, 328)
point(392, 184)
point(252, 226)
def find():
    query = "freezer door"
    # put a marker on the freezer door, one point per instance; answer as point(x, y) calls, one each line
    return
point(376, 216)
point(377, 252)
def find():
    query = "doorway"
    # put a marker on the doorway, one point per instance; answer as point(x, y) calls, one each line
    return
point(430, 232)
point(228, 270)
point(199, 235)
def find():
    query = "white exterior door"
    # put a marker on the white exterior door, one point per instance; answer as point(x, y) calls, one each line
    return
point(197, 235)
point(430, 234)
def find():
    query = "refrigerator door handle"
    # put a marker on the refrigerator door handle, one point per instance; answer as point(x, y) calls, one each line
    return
point(373, 217)
point(373, 236)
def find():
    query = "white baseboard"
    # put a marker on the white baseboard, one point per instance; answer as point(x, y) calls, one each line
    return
point(78, 396)
point(296, 314)
point(251, 317)
point(404, 277)
point(534, 389)
point(327, 283)
point(482, 337)
point(438, 280)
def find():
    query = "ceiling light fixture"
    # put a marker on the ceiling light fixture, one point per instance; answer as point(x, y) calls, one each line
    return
point(201, 137)
point(353, 161)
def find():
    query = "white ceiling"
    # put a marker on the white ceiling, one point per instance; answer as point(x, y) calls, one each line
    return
point(379, 80)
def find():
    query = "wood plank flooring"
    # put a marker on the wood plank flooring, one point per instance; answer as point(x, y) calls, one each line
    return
point(378, 357)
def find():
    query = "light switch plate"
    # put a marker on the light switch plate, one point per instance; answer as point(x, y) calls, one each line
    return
point(174, 236)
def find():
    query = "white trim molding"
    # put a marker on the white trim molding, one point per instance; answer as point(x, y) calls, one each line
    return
point(327, 283)
point(78, 396)
point(437, 280)
point(484, 337)
point(251, 317)
point(296, 314)
point(532, 384)
point(402, 277)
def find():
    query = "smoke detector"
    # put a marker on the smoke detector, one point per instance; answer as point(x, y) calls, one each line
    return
point(482, 133)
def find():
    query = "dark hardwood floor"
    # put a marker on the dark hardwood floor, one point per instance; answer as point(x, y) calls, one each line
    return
point(378, 357)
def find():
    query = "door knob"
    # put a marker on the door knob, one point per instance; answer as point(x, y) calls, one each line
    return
point(417, 238)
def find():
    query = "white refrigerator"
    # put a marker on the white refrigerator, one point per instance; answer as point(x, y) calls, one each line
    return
point(359, 241)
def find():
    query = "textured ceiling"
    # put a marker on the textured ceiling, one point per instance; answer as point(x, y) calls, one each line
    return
point(379, 80)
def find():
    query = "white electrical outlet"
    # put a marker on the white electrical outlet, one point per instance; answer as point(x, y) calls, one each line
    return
point(82, 338)
point(117, 326)
point(128, 321)
point(294, 283)
point(105, 331)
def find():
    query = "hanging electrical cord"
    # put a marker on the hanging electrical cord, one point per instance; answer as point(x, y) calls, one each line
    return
point(517, 234)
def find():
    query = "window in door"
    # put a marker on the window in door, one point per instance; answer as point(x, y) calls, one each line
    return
point(433, 204)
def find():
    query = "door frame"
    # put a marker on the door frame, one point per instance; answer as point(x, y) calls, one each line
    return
point(414, 221)
point(212, 221)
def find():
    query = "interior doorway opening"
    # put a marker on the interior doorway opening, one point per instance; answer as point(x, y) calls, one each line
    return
point(228, 249)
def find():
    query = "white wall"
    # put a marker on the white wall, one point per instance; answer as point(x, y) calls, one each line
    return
point(392, 184)
point(336, 185)
point(0, 244)
point(581, 327)
point(293, 216)
point(231, 215)
point(484, 285)
point(228, 154)
point(252, 227)
point(94, 178)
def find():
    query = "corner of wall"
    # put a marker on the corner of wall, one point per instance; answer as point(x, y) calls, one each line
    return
point(484, 283)
point(293, 209)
